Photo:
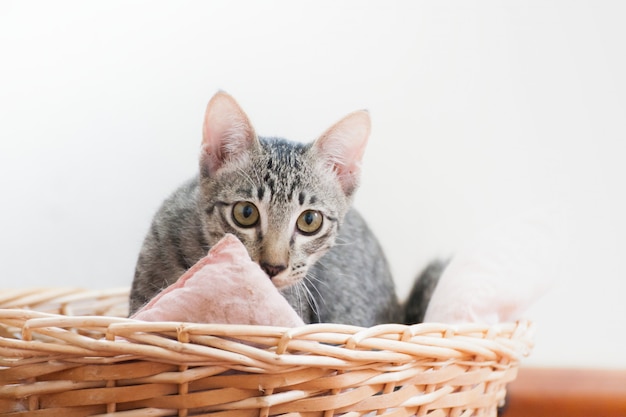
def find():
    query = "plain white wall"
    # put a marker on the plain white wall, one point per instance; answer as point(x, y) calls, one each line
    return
point(481, 111)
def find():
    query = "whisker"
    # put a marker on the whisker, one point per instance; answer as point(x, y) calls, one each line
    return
point(341, 241)
point(315, 280)
point(313, 304)
point(256, 174)
point(322, 263)
point(299, 299)
point(245, 175)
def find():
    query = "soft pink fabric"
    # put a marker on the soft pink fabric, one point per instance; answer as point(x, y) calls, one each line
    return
point(225, 286)
point(502, 272)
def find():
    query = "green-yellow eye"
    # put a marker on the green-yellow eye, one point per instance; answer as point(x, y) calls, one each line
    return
point(245, 214)
point(310, 222)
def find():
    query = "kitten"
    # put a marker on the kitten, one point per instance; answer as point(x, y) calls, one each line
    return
point(290, 205)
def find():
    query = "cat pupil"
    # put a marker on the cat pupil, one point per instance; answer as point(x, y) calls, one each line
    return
point(309, 218)
point(247, 211)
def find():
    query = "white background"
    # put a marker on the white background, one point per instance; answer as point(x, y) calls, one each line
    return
point(481, 111)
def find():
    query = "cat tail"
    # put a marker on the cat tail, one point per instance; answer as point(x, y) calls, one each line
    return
point(416, 304)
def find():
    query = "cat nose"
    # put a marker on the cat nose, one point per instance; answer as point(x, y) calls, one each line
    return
point(272, 270)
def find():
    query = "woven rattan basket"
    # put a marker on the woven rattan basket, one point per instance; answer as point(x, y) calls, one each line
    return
point(68, 353)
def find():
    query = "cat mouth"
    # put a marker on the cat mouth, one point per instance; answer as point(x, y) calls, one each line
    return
point(283, 274)
point(286, 278)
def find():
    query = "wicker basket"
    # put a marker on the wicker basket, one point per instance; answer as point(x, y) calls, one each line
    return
point(68, 353)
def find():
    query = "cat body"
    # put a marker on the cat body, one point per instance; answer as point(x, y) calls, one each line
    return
point(290, 205)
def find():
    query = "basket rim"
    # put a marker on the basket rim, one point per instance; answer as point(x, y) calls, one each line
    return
point(390, 342)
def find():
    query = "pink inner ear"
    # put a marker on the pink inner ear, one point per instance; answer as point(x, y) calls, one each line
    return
point(227, 133)
point(349, 172)
point(343, 145)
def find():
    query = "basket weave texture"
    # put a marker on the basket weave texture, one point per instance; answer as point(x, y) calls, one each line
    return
point(72, 352)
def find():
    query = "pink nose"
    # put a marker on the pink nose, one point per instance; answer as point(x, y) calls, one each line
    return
point(272, 270)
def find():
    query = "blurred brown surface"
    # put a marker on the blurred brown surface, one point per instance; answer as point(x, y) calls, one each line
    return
point(539, 392)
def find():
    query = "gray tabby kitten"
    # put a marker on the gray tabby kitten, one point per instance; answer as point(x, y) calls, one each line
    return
point(289, 204)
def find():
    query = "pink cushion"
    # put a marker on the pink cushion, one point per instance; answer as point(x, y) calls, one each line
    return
point(225, 286)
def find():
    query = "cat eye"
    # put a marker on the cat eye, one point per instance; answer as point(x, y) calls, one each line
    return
point(245, 214)
point(310, 222)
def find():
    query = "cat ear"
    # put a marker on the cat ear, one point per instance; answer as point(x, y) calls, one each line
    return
point(227, 135)
point(342, 147)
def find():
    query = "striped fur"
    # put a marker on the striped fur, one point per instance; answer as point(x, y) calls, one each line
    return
point(337, 273)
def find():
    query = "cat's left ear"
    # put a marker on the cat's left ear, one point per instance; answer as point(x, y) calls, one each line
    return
point(342, 147)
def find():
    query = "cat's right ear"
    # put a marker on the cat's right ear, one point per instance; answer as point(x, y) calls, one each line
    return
point(227, 135)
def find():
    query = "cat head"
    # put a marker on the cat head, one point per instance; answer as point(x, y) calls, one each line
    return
point(284, 200)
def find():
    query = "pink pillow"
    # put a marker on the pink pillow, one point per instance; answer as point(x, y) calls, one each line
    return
point(225, 286)
point(501, 272)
